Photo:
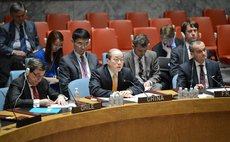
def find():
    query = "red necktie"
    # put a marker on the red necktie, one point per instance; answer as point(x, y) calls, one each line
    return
point(36, 96)
point(202, 75)
point(83, 65)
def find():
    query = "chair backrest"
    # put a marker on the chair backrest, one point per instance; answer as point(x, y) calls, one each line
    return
point(151, 32)
point(159, 22)
point(3, 92)
point(104, 58)
point(85, 24)
point(177, 16)
point(178, 32)
point(217, 16)
point(7, 18)
point(13, 75)
point(139, 19)
point(207, 33)
point(124, 31)
point(223, 41)
point(103, 40)
point(98, 19)
point(82, 85)
point(67, 43)
point(57, 21)
point(73, 25)
point(42, 29)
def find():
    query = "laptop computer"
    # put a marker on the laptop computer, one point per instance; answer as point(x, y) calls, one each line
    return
point(164, 63)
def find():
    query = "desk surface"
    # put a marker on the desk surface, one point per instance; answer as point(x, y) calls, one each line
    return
point(179, 120)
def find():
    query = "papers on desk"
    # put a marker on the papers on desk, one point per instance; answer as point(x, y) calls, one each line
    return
point(132, 99)
point(205, 96)
point(217, 89)
point(61, 106)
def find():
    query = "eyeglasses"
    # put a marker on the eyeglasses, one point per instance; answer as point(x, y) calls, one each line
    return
point(38, 75)
point(118, 59)
point(82, 44)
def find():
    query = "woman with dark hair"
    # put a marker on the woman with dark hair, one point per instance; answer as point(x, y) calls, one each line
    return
point(51, 56)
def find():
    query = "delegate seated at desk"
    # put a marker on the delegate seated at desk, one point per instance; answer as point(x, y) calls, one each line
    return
point(113, 77)
point(30, 89)
point(199, 71)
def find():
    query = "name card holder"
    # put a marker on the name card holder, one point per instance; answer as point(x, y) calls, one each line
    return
point(222, 93)
point(86, 107)
point(154, 98)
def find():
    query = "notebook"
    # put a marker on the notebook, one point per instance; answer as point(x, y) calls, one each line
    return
point(164, 63)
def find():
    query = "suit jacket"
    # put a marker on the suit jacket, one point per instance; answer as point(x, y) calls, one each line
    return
point(158, 48)
point(179, 55)
point(7, 37)
point(151, 65)
point(69, 69)
point(100, 84)
point(25, 99)
point(187, 75)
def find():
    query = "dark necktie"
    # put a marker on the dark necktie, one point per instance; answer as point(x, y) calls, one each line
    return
point(202, 75)
point(141, 70)
point(22, 39)
point(36, 96)
point(83, 65)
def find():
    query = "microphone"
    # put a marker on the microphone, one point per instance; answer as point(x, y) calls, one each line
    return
point(71, 94)
point(192, 74)
point(136, 87)
point(16, 101)
point(220, 93)
point(221, 85)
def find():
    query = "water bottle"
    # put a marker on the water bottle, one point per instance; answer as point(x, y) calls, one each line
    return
point(180, 93)
point(121, 101)
point(111, 100)
point(116, 99)
point(191, 93)
point(196, 92)
point(185, 93)
point(76, 94)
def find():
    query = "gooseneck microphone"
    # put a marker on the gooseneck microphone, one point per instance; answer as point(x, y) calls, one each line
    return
point(16, 101)
point(218, 82)
point(142, 91)
point(193, 63)
point(71, 94)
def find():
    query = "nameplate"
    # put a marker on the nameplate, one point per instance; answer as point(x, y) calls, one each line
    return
point(27, 121)
point(221, 94)
point(155, 98)
point(86, 107)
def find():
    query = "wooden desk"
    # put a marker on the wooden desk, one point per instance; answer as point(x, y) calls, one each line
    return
point(175, 121)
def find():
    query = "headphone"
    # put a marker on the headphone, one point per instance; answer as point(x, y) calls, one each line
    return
point(27, 71)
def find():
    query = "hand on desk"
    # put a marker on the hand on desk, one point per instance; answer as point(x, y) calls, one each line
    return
point(45, 102)
point(126, 94)
point(60, 100)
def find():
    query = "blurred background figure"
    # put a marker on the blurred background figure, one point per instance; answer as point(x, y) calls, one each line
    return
point(51, 56)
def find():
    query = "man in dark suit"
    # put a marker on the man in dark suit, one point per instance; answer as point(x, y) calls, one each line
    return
point(143, 63)
point(163, 49)
point(181, 54)
point(113, 77)
point(30, 89)
point(79, 63)
point(18, 40)
point(168, 41)
point(199, 71)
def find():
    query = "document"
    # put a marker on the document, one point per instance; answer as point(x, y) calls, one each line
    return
point(61, 106)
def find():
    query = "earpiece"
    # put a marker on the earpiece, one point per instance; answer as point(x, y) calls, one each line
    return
point(27, 71)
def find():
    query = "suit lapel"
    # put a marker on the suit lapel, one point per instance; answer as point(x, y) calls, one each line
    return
point(131, 62)
point(209, 69)
point(73, 59)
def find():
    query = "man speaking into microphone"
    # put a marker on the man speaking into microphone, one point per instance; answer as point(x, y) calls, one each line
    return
point(113, 77)
point(199, 71)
